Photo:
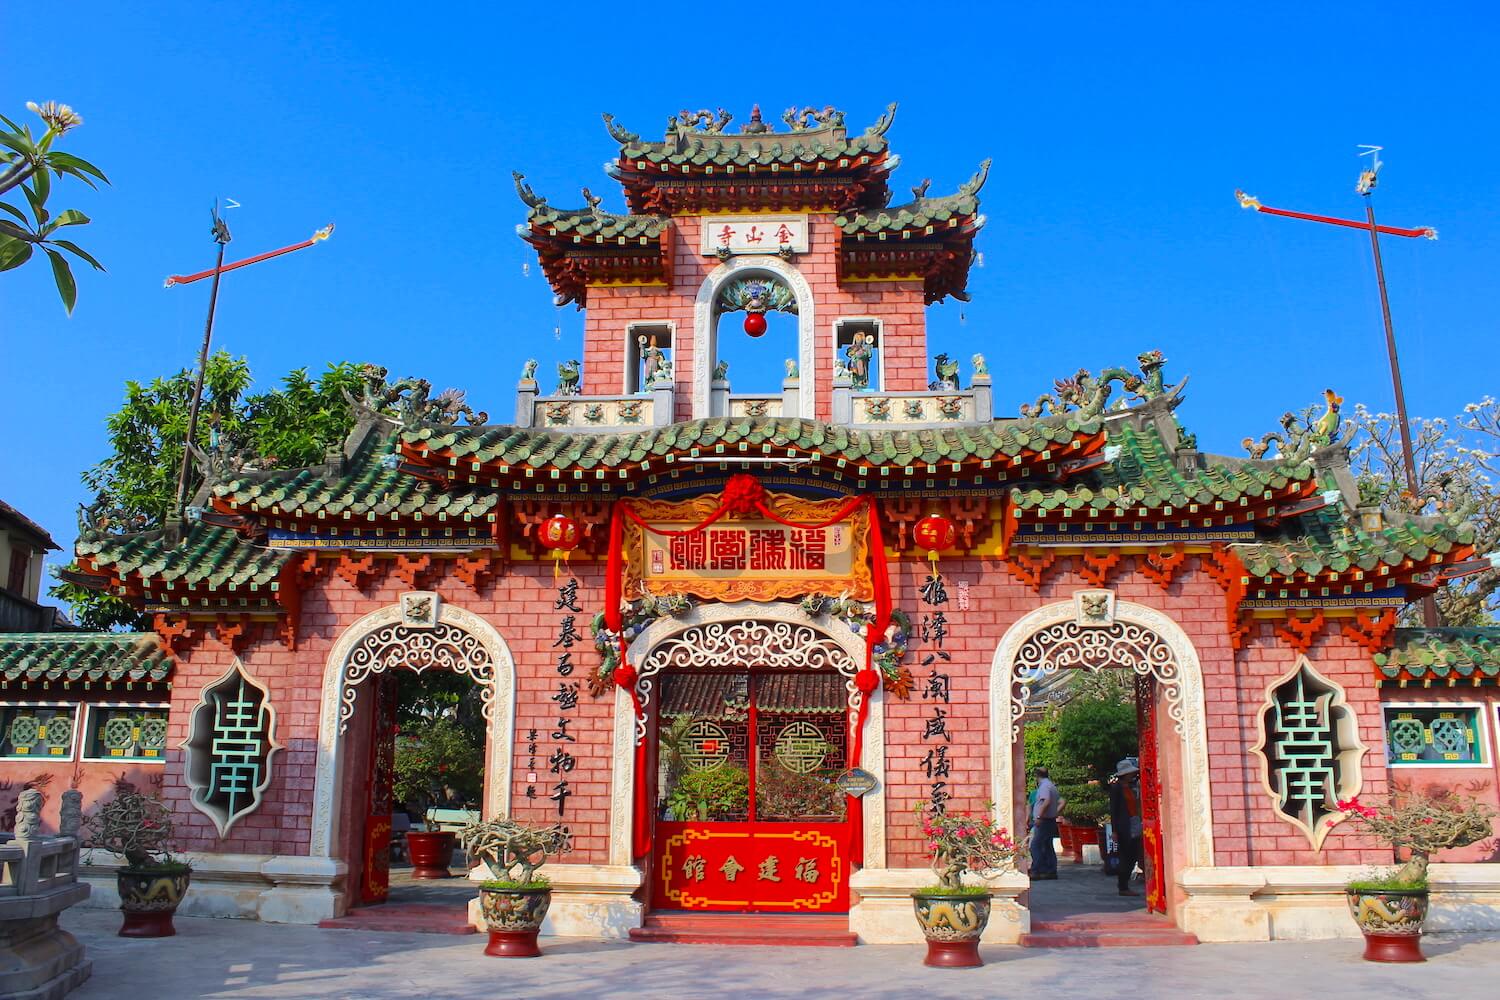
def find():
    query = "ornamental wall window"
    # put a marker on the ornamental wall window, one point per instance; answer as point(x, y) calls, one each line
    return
point(134, 733)
point(1435, 735)
point(1309, 749)
point(229, 747)
point(32, 731)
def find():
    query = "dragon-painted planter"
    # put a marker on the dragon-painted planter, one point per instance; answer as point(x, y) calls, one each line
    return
point(1391, 921)
point(149, 897)
point(513, 918)
point(952, 922)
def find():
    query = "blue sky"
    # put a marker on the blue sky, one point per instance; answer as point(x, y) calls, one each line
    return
point(1118, 132)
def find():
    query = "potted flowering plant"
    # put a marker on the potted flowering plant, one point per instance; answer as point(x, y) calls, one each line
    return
point(514, 902)
point(1390, 905)
point(952, 914)
point(436, 762)
point(151, 883)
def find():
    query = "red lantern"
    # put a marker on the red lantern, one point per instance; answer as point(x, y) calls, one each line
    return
point(560, 534)
point(935, 533)
point(755, 323)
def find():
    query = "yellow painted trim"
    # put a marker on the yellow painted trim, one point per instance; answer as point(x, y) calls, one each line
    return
point(627, 284)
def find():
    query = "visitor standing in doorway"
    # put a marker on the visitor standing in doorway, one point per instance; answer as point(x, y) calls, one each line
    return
point(1045, 808)
point(1125, 817)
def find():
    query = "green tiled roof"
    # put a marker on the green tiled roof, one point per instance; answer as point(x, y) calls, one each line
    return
point(598, 226)
point(1146, 475)
point(207, 556)
point(684, 148)
point(371, 488)
point(1328, 539)
point(87, 658)
point(1442, 654)
point(937, 214)
point(517, 446)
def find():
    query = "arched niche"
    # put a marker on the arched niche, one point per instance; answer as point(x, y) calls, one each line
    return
point(705, 327)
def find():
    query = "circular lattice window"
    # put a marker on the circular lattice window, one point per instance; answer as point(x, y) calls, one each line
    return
point(119, 733)
point(707, 746)
point(800, 747)
point(24, 730)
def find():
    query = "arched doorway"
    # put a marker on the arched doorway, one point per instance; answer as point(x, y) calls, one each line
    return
point(1092, 632)
point(774, 640)
point(420, 632)
point(709, 306)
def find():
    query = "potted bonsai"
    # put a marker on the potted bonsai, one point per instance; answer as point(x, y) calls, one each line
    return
point(1390, 905)
point(1087, 806)
point(953, 915)
point(152, 883)
point(514, 901)
point(436, 762)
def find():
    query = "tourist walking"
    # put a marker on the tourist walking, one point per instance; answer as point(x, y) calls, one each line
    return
point(1125, 817)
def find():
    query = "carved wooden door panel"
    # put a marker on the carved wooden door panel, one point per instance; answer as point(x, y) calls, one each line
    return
point(375, 885)
point(1153, 853)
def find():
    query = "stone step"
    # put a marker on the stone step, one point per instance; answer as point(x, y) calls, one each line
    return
point(1112, 937)
point(806, 931)
point(405, 918)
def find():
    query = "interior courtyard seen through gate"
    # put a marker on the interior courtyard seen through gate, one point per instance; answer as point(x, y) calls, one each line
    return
point(733, 635)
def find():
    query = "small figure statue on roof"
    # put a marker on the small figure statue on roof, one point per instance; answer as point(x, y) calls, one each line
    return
point(809, 118)
point(721, 371)
point(947, 374)
point(528, 371)
point(791, 368)
point(858, 353)
point(593, 201)
point(657, 367)
point(567, 378)
point(702, 120)
point(755, 126)
point(981, 367)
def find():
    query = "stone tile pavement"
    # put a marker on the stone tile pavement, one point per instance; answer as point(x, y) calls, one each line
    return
point(233, 959)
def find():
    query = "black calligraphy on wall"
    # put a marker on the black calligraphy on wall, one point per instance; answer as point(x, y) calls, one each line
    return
point(936, 693)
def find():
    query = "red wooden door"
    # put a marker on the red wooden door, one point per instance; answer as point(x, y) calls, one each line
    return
point(749, 817)
point(1153, 850)
point(375, 885)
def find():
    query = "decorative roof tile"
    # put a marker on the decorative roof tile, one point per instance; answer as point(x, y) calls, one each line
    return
point(1329, 540)
point(1451, 655)
point(951, 213)
point(83, 658)
point(207, 557)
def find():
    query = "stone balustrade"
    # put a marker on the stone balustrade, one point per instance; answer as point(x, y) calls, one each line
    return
point(652, 408)
point(913, 410)
point(38, 880)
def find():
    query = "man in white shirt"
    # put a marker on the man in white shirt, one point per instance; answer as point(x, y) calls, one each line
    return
point(1045, 808)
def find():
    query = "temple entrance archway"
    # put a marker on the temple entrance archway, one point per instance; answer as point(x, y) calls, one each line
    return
point(420, 632)
point(1095, 631)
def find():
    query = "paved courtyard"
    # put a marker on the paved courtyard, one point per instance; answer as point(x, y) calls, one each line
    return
point(226, 958)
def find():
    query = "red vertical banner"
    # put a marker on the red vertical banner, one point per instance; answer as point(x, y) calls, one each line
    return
point(1153, 852)
point(375, 885)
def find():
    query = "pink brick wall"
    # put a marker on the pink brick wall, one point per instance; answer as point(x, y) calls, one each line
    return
point(898, 304)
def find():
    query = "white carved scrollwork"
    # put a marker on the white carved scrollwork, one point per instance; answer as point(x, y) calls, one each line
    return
point(746, 643)
point(444, 646)
point(1122, 644)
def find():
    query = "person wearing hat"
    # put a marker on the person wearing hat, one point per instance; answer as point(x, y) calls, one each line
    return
point(1125, 817)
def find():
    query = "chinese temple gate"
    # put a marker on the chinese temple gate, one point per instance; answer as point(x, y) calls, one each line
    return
point(747, 671)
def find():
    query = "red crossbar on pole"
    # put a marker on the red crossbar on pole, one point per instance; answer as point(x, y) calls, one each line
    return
point(1249, 201)
point(186, 279)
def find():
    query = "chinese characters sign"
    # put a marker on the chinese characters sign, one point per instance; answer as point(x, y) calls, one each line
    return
point(754, 233)
point(761, 560)
point(726, 866)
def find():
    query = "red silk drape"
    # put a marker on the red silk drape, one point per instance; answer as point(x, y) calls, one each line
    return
point(867, 680)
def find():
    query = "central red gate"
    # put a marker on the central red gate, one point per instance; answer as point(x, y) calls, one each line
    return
point(749, 817)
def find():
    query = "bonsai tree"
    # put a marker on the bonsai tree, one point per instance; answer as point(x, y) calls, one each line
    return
point(135, 825)
point(436, 761)
point(960, 843)
point(514, 850)
point(1421, 824)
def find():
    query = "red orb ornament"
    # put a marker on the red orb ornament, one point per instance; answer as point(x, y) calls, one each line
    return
point(755, 323)
point(935, 533)
point(559, 533)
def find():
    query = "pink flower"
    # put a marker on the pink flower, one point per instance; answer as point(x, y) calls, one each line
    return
point(932, 845)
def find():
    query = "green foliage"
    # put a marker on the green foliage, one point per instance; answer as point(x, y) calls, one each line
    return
point(512, 885)
point(1386, 880)
point(717, 793)
point(436, 694)
point(1040, 739)
point(784, 794)
point(435, 761)
point(947, 890)
point(25, 163)
point(1087, 802)
point(289, 426)
point(1096, 734)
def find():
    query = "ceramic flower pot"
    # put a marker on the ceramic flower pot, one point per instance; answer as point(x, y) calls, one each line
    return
point(431, 853)
point(149, 897)
point(513, 918)
point(952, 922)
point(1391, 921)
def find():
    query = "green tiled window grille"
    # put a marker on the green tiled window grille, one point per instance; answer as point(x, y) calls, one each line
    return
point(1433, 736)
point(31, 731)
point(1311, 749)
point(126, 733)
